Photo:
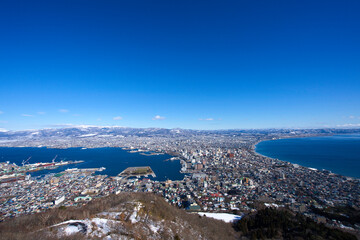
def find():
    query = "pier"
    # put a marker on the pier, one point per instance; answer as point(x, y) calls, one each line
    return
point(137, 172)
point(12, 172)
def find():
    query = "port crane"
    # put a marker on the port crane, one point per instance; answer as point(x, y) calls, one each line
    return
point(25, 161)
point(54, 159)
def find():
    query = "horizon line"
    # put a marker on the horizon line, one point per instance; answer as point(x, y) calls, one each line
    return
point(66, 126)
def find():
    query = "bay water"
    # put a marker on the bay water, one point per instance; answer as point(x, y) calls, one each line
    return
point(115, 160)
point(340, 153)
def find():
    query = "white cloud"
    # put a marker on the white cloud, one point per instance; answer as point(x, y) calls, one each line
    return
point(1, 112)
point(117, 118)
point(158, 117)
point(41, 113)
point(351, 117)
point(27, 115)
point(63, 110)
point(206, 119)
point(3, 130)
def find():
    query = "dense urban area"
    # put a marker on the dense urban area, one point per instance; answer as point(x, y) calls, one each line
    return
point(222, 173)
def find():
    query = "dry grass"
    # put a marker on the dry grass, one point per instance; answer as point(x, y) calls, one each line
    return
point(176, 223)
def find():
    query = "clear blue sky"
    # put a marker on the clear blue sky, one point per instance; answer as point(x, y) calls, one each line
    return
point(188, 64)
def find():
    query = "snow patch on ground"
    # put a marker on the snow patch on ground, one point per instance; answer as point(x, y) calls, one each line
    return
point(105, 223)
point(96, 227)
point(154, 228)
point(68, 230)
point(102, 226)
point(134, 216)
point(66, 222)
point(273, 205)
point(226, 217)
point(113, 215)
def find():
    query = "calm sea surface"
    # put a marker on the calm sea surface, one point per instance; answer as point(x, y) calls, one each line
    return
point(340, 154)
point(114, 160)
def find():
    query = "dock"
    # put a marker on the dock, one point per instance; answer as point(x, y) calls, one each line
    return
point(137, 172)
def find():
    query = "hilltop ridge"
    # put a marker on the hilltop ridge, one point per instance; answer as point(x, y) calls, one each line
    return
point(123, 216)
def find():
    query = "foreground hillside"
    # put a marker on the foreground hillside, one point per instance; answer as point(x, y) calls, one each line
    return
point(148, 216)
point(271, 223)
point(124, 216)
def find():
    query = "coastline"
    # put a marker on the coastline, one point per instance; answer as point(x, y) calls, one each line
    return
point(146, 159)
point(253, 146)
point(253, 149)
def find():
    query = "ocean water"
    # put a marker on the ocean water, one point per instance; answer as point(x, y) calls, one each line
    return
point(340, 153)
point(115, 160)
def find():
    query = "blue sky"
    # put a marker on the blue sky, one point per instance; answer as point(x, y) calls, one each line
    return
point(188, 64)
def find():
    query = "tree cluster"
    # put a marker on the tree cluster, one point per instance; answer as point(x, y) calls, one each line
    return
point(271, 223)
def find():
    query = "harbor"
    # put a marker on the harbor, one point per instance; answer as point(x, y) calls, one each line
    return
point(143, 152)
point(137, 172)
point(114, 160)
point(10, 172)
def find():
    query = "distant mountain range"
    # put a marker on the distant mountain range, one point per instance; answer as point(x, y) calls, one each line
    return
point(88, 131)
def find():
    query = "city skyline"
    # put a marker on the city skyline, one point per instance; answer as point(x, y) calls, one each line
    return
point(192, 65)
